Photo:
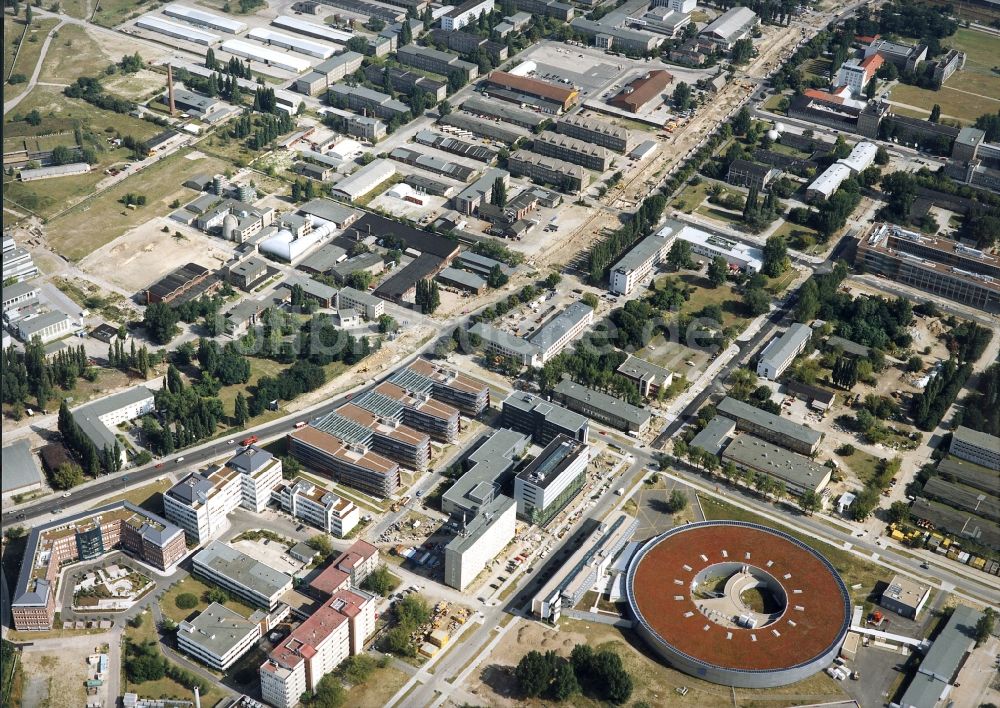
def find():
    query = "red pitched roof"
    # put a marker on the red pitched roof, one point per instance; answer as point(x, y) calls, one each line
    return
point(823, 96)
point(872, 64)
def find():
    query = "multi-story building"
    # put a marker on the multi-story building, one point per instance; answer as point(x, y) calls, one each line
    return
point(248, 273)
point(797, 472)
point(351, 464)
point(781, 351)
point(406, 82)
point(317, 506)
point(384, 433)
point(602, 407)
point(48, 326)
point(470, 395)
point(744, 173)
point(544, 95)
point(551, 480)
point(250, 580)
point(328, 73)
point(464, 13)
point(649, 378)
point(598, 132)
point(359, 98)
point(486, 470)
point(466, 43)
point(415, 408)
point(17, 262)
point(638, 264)
point(18, 295)
point(364, 180)
point(98, 419)
point(370, 307)
point(855, 74)
point(943, 68)
point(547, 8)
point(201, 501)
point(564, 176)
point(472, 197)
point(547, 341)
point(436, 61)
point(906, 57)
point(975, 446)
point(542, 420)
point(358, 561)
point(82, 537)
point(939, 266)
point(365, 127)
point(770, 427)
point(579, 152)
point(218, 636)
point(479, 541)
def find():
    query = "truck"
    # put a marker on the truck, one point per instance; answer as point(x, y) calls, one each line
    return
point(620, 491)
point(300, 424)
point(246, 442)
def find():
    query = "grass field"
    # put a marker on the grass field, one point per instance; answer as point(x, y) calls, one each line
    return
point(801, 238)
point(719, 214)
point(102, 219)
point(691, 197)
point(192, 585)
point(165, 687)
point(75, 53)
point(818, 68)
point(148, 496)
point(113, 12)
point(862, 464)
point(703, 294)
point(27, 58)
point(852, 569)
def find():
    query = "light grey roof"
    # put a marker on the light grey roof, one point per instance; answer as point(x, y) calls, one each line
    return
point(358, 296)
point(242, 570)
point(480, 524)
point(739, 410)
point(330, 210)
point(975, 438)
point(713, 436)
point(550, 332)
point(311, 287)
point(19, 467)
point(797, 471)
point(643, 251)
point(217, 629)
point(463, 277)
point(552, 412)
point(491, 334)
point(605, 402)
point(970, 136)
point(847, 346)
point(325, 258)
point(250, 460)
point(778, 350)
point(362, 261)
point(88, 416)
point(32, 326)
point(642, 369)
point(337, 61)
point(18, 289)
point(943, 659)
point(489, 462)
point(731, 22)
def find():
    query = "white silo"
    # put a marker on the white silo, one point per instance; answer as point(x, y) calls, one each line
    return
point(229, 227)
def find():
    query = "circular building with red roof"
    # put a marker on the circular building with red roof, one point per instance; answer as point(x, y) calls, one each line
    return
point(738, 604)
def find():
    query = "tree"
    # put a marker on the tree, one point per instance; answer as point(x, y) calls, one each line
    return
point(899, 512)
point(756, 301)
point(870, 89)
point(386, 324)
point(914, 364)
point(496, 278)
point(329, 693)
point(742, 51)
point(718, 270)
point(216, 595)
point(498, 194)
point(677, 502)
point(28, 14)
point(810, 502)
point(935, 114)
point(985, 625)
point(533, 674)
point(563, 683)
point(67, 476)
point(380, 581)
point(590, 300)
point(775, 256)
point(241, 410)
point(405, 33)
point(742, 121)
point(901, 188)
point(186, 601)
point(321, 544)
point(679, 255)
point(682, 96)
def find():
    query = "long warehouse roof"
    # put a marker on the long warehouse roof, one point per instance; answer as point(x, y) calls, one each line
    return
point(172, 29)
point(290, 41)
point(200, 17)
point(312, 29)
point(268, 56)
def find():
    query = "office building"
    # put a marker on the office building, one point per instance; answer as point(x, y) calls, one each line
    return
point(602, 407)
point(782, 350)
point(564, 176)
point(368, 101)
point(248, 273)
point(98, 419)
point(769, 427)
point(936, 265)
point(472, 197)
point(250, 580)
point(638, 264)
point(316, 506)
point(738, 255)
point(828, 181)
point(797, 472)
point(486, 470)
point(649, 378)
point(349, 463)
point(977, 447)
point(743, 173)
point(19, 295)
point(578, 152)
point(906, 57)
point(661, 20)
point(542, 420)
point(465, 13)
point(470, 395)
point(201, 501)
point(479, 541)
point(86, 536)
point(382, 432)
point(415, 408)
point(370, 307)
point(48, 327)
point(714, 436)
point(598, 132)
point(730, 27)
point(544, 95)
point(905, 596)
point(17, 262)
point(218, 636)
point(436, 61)
point(551, 480)
point(638, 93)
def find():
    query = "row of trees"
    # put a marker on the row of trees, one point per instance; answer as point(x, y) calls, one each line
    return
point(606, 252)
point(930, 405)
point(598, 674)
point(95, 461)
point(29, 374)
point(135, 359)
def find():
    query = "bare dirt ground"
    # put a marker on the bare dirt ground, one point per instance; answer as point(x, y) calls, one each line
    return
point(145, 253)
point(655, 683)
point(54, 673)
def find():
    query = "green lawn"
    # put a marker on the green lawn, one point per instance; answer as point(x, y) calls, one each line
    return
point(801, 238)
point(192, 585)
point(113, 12)
point(776, 286)
point(75, 53)
point(817, 68)
point(165, 687)
point(862, 464)
point(148, 496)
point(691, 197)
point(852, 569)
point(713, 212)
point(703, 294)
point(788, 150)
point(27, 58)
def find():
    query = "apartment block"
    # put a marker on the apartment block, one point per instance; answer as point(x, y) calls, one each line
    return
point(578, 152)
point(359, 98)
point(435, 61)
point(479, 541)
point(598, 132)
point(317, 506)
point(564, 176)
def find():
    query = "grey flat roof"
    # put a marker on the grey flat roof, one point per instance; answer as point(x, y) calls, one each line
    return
point(217, 629)
point(489, 461)
point(847, 346)
point(358, 296)
point(731, 22)
point(550, 463)
point(942, 660)
point(330, 210)
point(18, 289)
point(552, 412)
point(325, 258)
point(976, 438)
point(605, 402)
point(491, 334)
point(19, 467)
point(36, 324)
point(642, 252)
point(311, 287)
point(480, 524)
point(642, 369)
point(791, 467)
point(550, 332)
point(242, 570)
point(713, 436)
point(463, 277)
point(88, 416)
point(733, 407)
point(781, 348)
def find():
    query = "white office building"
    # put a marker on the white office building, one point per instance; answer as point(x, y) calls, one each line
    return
point(479, 542)
point(976, 447)
point(781, 351)
point(98, 419)
point(551, 480)
point(828, 181)
point(636, 265)
point(737, 254)
point(317, 506)
point(250, 580)
point(218, 636)
point(201, 502)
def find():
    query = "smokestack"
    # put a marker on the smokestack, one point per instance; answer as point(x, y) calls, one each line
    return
point(170, 88)
point(197, 698)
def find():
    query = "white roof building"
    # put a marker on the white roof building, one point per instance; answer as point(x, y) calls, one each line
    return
point(159, 25)
point(746, 257)
point(205, 19)
point(312, 29)
point(270, 57)
point(829, 181)
point(861, 157)
point(731, 26)
point(288, 41)
point(366, 179)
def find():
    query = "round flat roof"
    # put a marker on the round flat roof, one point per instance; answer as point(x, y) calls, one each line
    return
point(659, 585)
